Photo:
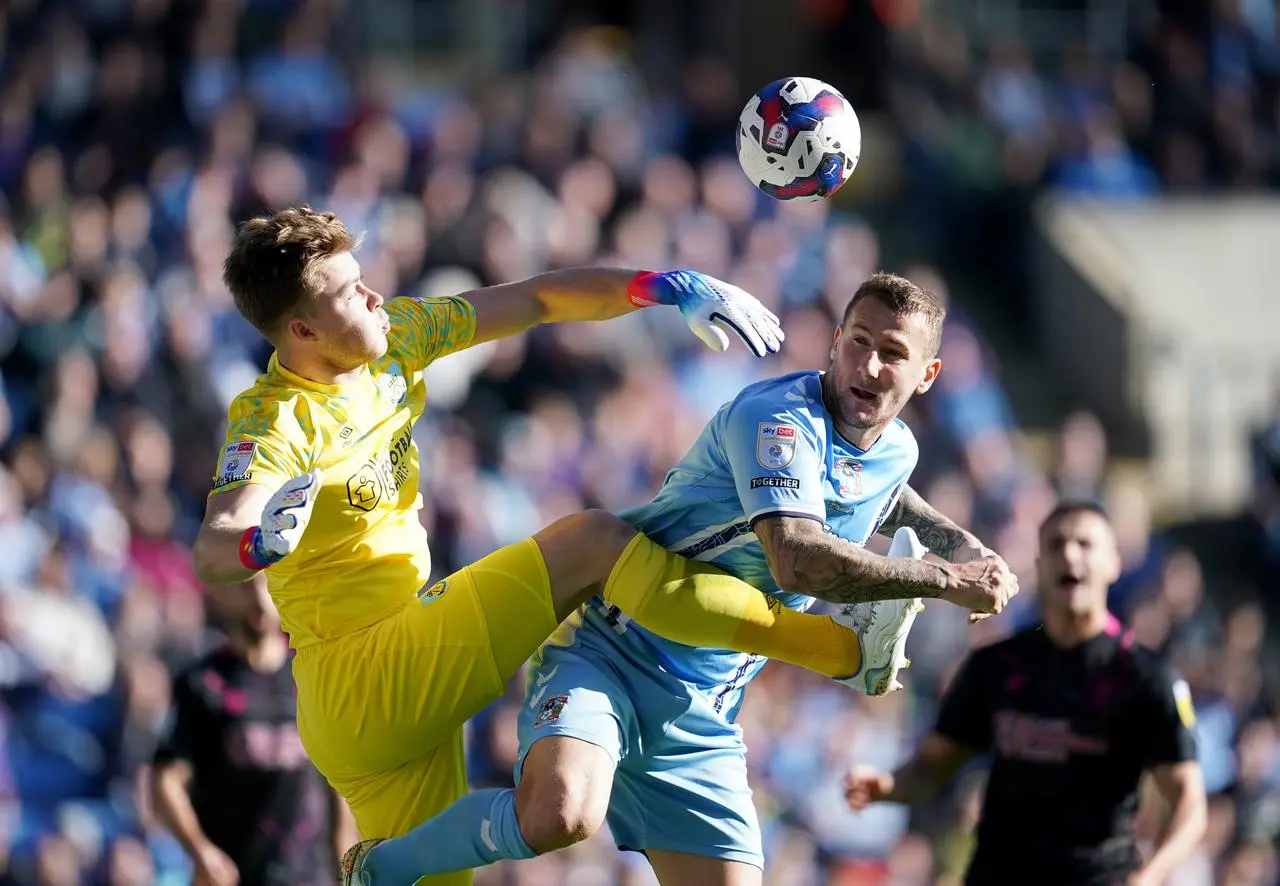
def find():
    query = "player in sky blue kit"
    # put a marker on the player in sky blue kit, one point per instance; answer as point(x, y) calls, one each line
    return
point(784, 489)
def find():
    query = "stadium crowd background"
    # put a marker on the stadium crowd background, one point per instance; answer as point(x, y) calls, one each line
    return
point(135, 133)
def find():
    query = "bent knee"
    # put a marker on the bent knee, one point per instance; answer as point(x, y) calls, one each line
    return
point(579, 552)
point(602, 536)
point(564, 792)
point(552, 829)
point(550, 823)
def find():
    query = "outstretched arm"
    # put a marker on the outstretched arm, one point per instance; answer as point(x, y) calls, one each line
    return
point(710, 306)
point(939, 534)
point(807, 559)
point(963, 731)
point(929, 769)
point(554, 297)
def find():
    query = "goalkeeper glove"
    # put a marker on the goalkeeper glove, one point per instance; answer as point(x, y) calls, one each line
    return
point(708, 305)
point(284, 519)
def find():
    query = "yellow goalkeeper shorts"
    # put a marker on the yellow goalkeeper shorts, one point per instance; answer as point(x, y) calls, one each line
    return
point(381, 712)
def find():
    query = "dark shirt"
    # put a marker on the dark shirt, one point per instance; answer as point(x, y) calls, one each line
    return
point(1071, 732)
point(255, 793)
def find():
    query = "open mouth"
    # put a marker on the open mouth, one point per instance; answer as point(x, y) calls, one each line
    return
point(864, 395)
point(1070, 582)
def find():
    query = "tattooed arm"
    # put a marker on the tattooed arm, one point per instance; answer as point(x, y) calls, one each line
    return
point(937, 533)
point(806, 559)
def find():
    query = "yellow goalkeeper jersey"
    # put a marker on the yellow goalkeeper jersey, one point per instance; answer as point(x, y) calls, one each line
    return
point(364, 554)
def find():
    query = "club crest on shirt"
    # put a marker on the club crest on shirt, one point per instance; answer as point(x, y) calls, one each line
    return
point(433, 593)
point(775, 445)
point(392, 384)
point(1182, 701)
point(847, 472)
point(550, 710)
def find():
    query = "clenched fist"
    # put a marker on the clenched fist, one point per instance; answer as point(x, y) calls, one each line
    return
point(865, 785)
point(983, 584)
point(284, 519)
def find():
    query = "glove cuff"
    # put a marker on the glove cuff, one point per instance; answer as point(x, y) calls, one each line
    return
point(644, 290)
point(252, 556)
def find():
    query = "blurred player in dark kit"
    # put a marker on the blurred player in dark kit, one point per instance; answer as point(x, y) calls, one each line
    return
point(231, 778)
point(1074, 714)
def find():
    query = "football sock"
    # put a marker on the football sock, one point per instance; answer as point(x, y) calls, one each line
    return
point(477, 830)
point(699, 605)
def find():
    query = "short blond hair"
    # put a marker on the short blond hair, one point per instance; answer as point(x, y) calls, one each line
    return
point(271, 269)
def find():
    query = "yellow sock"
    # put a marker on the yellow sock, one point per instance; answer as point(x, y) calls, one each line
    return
point(699, 605)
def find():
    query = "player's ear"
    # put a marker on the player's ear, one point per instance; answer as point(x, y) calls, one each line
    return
point(301, 329)
point(1114, 564)
point(835, 344)
point(931, 370)
point(1111, 563)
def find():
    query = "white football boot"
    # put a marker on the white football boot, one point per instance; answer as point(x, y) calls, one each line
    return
point(882, 627)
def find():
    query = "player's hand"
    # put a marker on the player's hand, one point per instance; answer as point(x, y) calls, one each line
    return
point(710, 307)
point(214, 868)
point(865, 785)
point(983, 584)
point(285, 517)
point(970, 552)
point(967, 554)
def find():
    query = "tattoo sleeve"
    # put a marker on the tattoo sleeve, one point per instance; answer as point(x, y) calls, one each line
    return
point(937, 533)
point(806, 559)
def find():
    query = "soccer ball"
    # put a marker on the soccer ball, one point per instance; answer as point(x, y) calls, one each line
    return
point(798, 139)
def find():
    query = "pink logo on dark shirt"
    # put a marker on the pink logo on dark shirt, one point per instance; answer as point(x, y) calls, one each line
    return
point(1021, 736)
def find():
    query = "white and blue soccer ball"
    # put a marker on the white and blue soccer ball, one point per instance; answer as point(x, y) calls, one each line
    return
point(798, 139)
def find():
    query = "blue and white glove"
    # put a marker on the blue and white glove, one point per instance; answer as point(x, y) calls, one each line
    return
point(284, 518)
point(708, 305)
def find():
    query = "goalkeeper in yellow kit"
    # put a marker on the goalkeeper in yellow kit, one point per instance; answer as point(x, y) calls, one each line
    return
point(317, 483)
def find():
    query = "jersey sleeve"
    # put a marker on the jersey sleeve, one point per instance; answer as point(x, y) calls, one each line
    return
point(776, 460)
point(964, 715)
point(181, 726)
point(260, 446)
point(1168, 717)
point(425, 329)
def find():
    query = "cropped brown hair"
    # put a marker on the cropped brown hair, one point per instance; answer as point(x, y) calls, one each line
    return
point(1070, 508)
point(271, 269)
point(903, 298)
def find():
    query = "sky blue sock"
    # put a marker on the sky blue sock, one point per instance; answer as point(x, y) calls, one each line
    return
point(479, 829)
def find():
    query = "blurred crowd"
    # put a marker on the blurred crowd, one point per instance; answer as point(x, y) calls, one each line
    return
point(1190, 105)
point(135, 133)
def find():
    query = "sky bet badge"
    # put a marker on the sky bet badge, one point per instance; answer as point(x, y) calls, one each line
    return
point(775, 445)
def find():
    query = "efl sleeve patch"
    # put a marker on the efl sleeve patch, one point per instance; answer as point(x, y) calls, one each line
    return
point(775, 445)
point(234, 465)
